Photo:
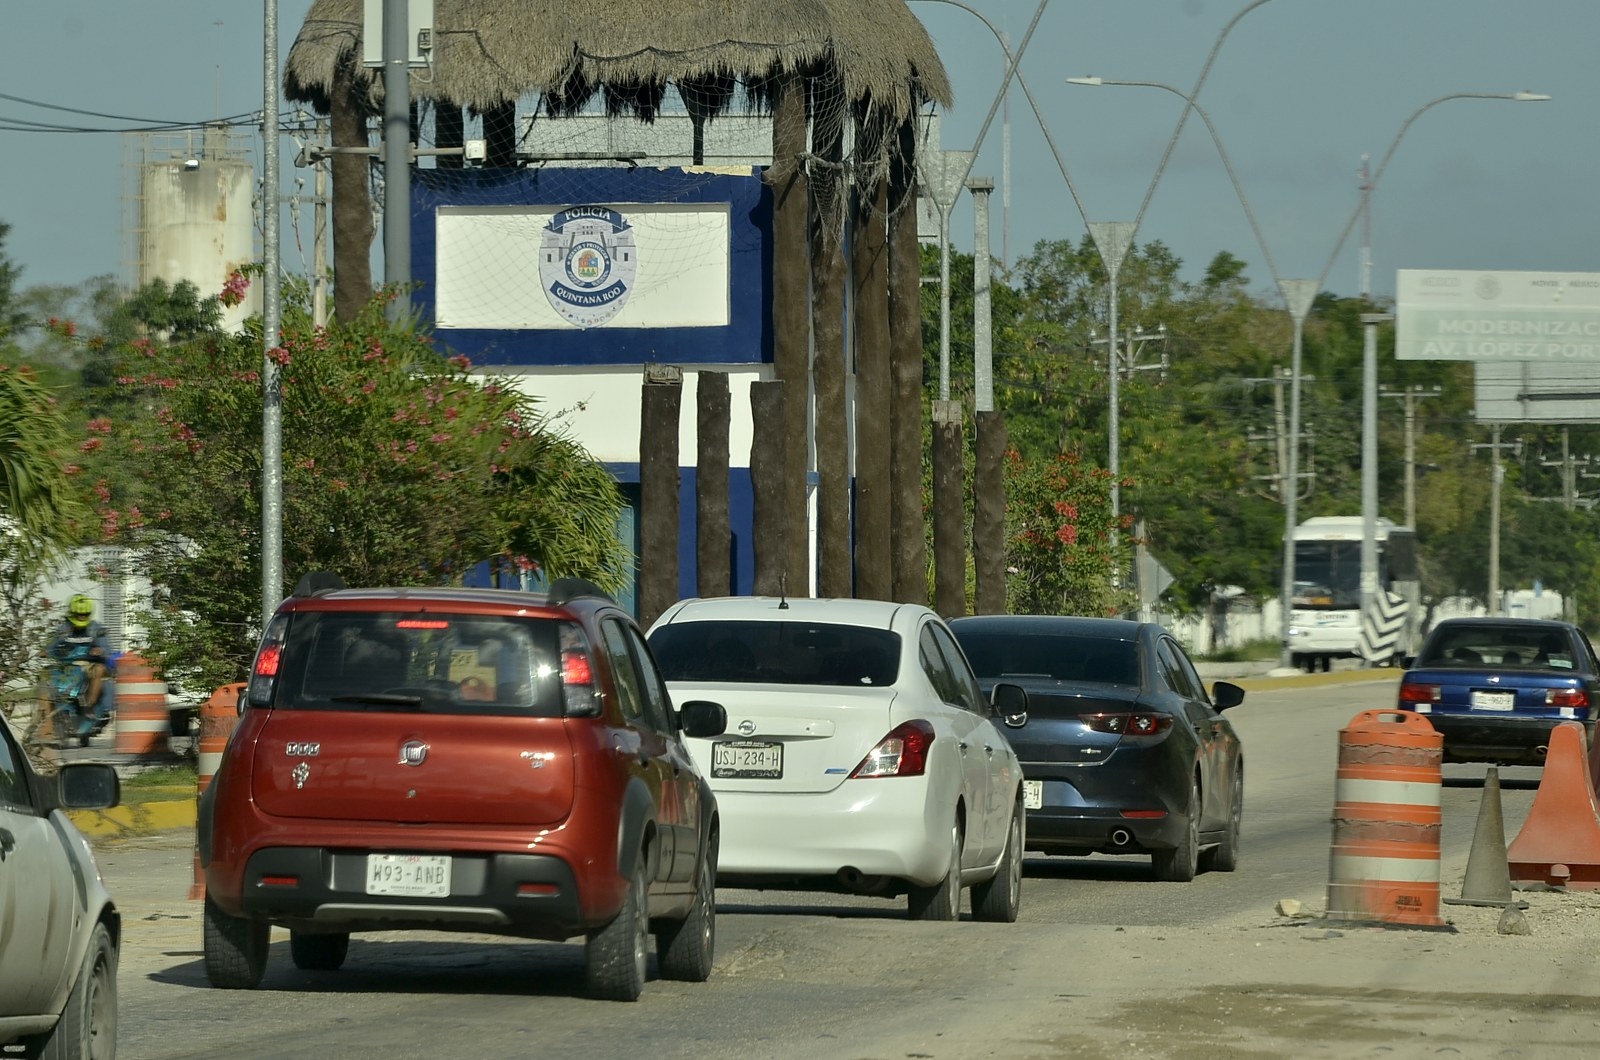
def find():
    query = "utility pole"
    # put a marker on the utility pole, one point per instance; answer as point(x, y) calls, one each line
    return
point(1495, 478)
point(1411, 396)
point(319, 240)
point(397, 156)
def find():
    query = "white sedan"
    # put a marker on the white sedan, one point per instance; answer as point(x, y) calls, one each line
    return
point(59, 929)
point(860, 754)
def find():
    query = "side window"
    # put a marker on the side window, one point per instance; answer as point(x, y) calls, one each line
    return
point(1175, 674)
point(934, 666)
point(630, 697)
point(13, 776)
point(1190, 674)
point(657, 705)
point(965, 686)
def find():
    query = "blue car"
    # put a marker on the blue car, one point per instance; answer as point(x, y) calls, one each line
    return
point(1495, 687)
point(1124, 751)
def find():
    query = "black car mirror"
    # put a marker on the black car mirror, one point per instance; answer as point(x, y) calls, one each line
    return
point(703, 719)
point(87, 786)
point(1011, 703)
point(1225, 694)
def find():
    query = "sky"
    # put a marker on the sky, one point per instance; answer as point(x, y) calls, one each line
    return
point(1299, 91)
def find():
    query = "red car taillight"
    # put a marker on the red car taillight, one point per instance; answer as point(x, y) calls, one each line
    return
point(269, 660)
point(1418, 693)
point(1128, 724)
point(902, 753)
point(577, 684)
point(1566, 697)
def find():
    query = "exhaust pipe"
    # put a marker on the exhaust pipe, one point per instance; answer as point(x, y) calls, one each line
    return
point(1541, 750)
point(1121, 837)
point(849, 877)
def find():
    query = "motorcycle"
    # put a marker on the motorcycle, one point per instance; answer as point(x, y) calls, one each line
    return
point(71, 692)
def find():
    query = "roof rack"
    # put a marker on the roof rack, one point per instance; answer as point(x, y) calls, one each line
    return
point(565, 589)
point(318, 581)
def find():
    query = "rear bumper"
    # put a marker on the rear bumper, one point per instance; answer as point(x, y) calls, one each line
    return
point(1084, 805)
point(893, 826)
point(1506, 740)
point(321, 889)
point(1063, 832)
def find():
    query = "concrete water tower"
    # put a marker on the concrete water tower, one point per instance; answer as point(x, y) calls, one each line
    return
point(194, 212)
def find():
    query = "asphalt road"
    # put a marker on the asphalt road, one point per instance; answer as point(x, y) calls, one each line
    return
point(813, 976)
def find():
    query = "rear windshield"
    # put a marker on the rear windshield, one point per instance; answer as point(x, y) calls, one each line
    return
point(432, 662)
point(781, 653)
point(1061, 657)
point(1509, 645)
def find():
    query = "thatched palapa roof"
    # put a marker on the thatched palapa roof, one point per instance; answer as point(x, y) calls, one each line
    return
point(491, 52)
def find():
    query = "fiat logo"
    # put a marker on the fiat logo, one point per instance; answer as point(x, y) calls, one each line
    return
point(413, 753)
point(747, 727)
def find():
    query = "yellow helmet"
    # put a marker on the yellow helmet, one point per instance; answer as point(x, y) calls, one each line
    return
point(79, 610)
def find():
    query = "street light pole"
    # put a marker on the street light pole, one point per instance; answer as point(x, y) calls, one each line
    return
point(1369, 364)
point(1298, 296)
point(271, 372)
point(1112, 239)
point(1369, 457)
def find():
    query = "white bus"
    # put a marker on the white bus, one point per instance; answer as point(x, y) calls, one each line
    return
point(1325, 615)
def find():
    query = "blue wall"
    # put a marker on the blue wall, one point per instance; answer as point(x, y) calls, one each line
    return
point(747, 337)
point(741, 516)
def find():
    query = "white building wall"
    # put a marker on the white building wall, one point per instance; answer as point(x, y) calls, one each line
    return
point(600, 405)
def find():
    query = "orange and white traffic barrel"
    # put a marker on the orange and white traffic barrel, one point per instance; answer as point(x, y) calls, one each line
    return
point(1384, 864)
point(219, 716)
point(142, 720)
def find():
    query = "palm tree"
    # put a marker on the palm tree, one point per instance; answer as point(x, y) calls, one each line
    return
point(36, 495)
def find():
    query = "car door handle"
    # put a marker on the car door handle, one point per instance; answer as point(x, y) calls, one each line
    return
point(8, 842)
point(963, 747)
point(988, 750)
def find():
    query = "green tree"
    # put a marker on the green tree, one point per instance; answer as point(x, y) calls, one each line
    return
point(39, 510)
point(1062, 543)
point(12, 317)
point(399, 467)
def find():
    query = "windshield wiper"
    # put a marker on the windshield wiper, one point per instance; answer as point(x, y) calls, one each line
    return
point(390, 699)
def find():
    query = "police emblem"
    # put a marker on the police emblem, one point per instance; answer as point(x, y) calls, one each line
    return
point(588, 264)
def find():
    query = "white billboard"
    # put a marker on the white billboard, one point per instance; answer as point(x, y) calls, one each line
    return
point(639, 265)
point(1536, 392)
point(1445, 315)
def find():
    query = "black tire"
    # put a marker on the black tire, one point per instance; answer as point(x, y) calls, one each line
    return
point(616, 955)
point(686, 949)
point(942, 901)
point(87, 1029)
point(318, 953)
point(1224, 857)
point(1180, 864)
point(1000, 898)
point(235, 949)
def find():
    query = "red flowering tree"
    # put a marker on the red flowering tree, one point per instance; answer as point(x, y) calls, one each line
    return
point(1064, 550)
point(400, 466)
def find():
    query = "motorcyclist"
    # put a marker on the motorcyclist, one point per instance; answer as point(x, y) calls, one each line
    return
point(79, 630)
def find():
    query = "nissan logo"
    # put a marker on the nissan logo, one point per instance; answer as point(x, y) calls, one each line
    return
point(747, 727)
point(413, 752)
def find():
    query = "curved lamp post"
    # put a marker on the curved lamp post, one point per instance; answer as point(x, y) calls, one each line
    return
point(1369, 358)
point(1299, 295)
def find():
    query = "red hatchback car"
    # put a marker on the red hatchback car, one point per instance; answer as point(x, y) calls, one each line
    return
point(473, 760)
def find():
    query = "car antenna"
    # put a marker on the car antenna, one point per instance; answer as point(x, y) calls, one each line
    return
point(783, 592)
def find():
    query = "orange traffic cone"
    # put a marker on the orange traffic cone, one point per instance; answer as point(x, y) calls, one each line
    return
point(1559, 843)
